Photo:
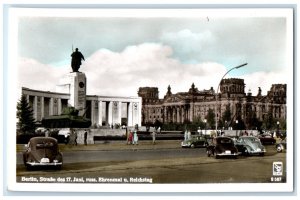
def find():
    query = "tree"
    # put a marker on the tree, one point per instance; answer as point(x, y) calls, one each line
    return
point(269, 122)
point(226, 117)
point(26, 123)
point(210, 118)
point(251, 121)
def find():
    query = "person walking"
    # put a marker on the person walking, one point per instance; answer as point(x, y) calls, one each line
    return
point(135, 138)
point(75, 138)
point(130, 138)
point(85, 138)
point(153, 137)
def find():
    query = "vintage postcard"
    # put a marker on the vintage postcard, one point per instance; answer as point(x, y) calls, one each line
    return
point(150, 100)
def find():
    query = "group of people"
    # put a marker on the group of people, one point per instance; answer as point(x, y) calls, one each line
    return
point(132, 138)
point(72, 139)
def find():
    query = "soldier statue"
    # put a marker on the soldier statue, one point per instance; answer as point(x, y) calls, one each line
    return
point(76, 60)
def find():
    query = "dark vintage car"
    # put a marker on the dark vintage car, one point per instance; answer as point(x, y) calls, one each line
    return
point(42, 151)
point(195, 141)
point(250, 145)
point(266, 139)
point(280, 147)
point(222, 147)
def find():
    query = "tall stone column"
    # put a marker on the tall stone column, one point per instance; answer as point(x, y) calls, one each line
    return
point(42, 107)
point(59, 110)
point(109, 113)
point(178, 115)
point(120, 113)
point(51, 105)
point(100, 113)
point(129, 114)
point(35, 108)
point(93, 120)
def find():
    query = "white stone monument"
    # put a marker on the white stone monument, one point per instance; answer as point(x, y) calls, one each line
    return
point(74, 84)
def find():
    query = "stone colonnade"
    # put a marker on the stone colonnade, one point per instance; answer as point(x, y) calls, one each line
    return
point(44, 103)
point(108, 109)
point(111, 110)
point(177, 114)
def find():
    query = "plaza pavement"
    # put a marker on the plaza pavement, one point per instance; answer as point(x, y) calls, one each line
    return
point(116, 145)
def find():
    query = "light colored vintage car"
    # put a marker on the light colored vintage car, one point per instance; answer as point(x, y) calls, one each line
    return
point(195, 141)
point(42, 151)
point(250, 145)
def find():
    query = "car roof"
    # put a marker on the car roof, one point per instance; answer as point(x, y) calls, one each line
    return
point(36, 140)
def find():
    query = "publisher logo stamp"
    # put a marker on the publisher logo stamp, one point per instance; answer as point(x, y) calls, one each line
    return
point(277, 168)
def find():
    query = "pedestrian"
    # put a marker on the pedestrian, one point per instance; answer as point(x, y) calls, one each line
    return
point(75, 137)
point(85, 137)
point(135, 138)
point(199, 131)
point(130, 138)
point(153, 137)
point(189, 135)
point(185, 135)
point(158, 130)
point(47, 133)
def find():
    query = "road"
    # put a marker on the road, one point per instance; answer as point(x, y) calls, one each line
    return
point(174, 165)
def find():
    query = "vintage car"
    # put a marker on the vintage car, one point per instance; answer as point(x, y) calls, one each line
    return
point(250, 145)
point(222, 147)
point(280, 147)
point(42, 151)
point(266, 139)
point(195, 141)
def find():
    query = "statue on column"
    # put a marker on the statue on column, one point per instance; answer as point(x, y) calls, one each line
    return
point(76, 60)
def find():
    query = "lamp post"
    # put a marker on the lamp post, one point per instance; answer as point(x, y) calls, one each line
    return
point(205, 126)
point(236, 134)
point(216, 96)
point(277, 133)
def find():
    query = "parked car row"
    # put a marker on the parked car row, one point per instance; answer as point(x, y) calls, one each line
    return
point(44, 151)
point(223, 146)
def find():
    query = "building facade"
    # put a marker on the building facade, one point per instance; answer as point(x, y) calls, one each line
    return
point(194, 105)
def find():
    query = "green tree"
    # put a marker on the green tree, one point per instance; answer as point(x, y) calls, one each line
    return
point(210, 118)
point(269, 122)
point(226, 117)
point(26, 121)
point(252, 121)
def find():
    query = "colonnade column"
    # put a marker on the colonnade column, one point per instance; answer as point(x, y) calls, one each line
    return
point(109, 113)
point(93, 112)
point(51, 106)
point(100, 113)
point(119, 107)
point(42, 107)
point(35, 107)
point(129, 114)
point(59, 106)
point(178, 115)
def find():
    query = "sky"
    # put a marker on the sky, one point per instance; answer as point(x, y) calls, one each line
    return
point(125, 53)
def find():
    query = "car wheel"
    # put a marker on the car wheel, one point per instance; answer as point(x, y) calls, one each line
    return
point(262, 154)
point(279, 149)
point(58, 167)
point(192, 145)
point(216, 156)
point(245, 152)
point(28, 167)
